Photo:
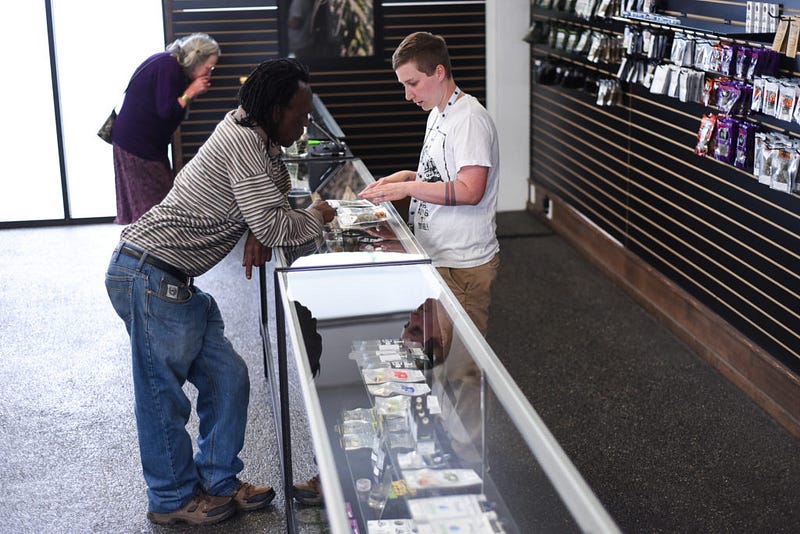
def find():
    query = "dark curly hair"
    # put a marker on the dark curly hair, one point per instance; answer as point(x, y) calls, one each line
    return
point(270, 86)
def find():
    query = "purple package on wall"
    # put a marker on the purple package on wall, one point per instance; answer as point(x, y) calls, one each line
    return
point(771, 63)
point(727, 59)
point(729, 95)
point(744, 144)
point(746, 99)
point(742, 60)
point(727, 130)
point(756, 57)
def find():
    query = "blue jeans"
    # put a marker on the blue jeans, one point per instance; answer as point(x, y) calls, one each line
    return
point(177, 334)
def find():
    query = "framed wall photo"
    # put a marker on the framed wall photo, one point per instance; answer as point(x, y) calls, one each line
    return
point(331, 31)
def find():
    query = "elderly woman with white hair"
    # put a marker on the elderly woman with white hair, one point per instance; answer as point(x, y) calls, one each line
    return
point(156, 102)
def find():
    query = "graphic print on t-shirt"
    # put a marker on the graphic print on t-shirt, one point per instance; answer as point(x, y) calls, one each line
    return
point(428, 172)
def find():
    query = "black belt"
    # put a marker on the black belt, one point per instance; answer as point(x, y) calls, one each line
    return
point(155, 262)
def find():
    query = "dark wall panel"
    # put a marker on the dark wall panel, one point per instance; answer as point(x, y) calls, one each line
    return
point(364, 98)
point(247, 34)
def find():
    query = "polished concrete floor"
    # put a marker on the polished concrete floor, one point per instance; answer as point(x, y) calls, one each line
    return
point(666, 443)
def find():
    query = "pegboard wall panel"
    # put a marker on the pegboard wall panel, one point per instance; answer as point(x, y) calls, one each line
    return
point(247, 33)
point(729, 241)
point(365, 98)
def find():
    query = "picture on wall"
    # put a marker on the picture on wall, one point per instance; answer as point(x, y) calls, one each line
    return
point(331, 29)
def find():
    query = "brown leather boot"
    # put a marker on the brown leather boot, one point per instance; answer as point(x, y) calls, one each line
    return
point(249, 497)
point(203, 509)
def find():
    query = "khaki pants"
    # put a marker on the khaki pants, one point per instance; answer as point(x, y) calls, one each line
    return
point(473, 289)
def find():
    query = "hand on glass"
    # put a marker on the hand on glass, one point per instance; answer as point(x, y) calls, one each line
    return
point(383, 231)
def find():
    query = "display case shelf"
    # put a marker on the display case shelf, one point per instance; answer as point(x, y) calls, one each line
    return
point(355, 313)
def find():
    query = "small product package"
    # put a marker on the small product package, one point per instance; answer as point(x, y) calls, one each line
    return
point(727, 64)
point(356, 434)
point(379, 376)
point(391, 526)
point(743, 54)
point(787, 97)
point(421, 479)
point(360, 216)
point(398, 388)
point(765, 165)
point(744, 145)
point(771, 94)
point(397, 405)
point(754, 68)
point(784, 169)
point(705, 134)
point(446, 507)
point(728, 96)
point(727, 130)
point(759, 139)
point(757, 102)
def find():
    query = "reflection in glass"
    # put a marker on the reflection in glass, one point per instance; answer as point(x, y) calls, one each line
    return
point(455, 381)
point(331, 28)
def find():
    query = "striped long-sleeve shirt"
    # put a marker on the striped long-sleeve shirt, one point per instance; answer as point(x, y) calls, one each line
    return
point(237, 180)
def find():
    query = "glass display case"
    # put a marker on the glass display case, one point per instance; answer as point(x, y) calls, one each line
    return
point(416, 425)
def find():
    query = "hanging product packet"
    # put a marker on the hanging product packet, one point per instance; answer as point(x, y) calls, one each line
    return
point(753, 67)
point(757, 102)
point(727, 59)
point(771, 93)
point(787, 97)
point(727, 130)
point(744, 144)
point(743, 54)
point(709, 91)
point(660, 80)
point(705, 134)
point(728, 96)
point(765, 172)
point(784, 169)
point(759, 138)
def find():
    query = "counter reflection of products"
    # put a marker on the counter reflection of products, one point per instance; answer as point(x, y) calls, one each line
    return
point(333, 240)
point(350, 240)
point(379, 492)
point(363, 487)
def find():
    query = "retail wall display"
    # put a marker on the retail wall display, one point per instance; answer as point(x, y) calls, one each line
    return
point(685, 67)
point(694, 170)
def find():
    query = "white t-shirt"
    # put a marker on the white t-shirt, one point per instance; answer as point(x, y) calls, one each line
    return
point(458, 236)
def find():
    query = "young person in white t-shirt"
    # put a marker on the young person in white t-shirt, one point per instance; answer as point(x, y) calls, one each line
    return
point(454, 190)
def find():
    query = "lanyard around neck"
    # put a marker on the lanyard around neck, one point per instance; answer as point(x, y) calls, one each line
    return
point(449, 105)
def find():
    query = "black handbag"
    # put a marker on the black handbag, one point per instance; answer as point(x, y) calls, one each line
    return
point(104, 132)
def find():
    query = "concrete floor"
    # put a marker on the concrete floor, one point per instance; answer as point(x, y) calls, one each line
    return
point(667, 444)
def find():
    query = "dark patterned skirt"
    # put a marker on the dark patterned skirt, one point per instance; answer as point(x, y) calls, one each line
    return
point(141, 184)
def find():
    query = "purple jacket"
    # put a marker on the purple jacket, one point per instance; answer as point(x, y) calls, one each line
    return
point(150, 112)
